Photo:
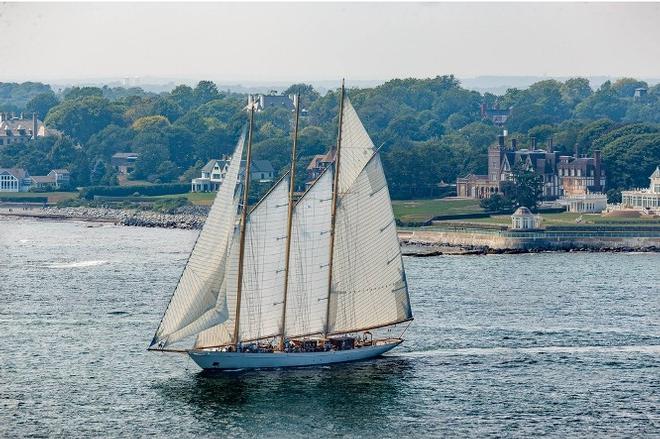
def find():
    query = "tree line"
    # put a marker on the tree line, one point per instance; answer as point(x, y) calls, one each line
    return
point(429, 130)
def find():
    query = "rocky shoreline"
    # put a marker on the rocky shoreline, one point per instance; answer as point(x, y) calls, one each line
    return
point(189, 218)
point(193, 217)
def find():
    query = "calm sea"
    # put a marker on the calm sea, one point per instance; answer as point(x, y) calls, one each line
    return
point(556, 344)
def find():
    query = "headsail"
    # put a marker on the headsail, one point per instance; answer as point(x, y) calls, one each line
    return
point(356, 147)
point(195, 304)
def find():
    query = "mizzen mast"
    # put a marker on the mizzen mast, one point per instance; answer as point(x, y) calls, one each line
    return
point(335, 197)
point(241, 251)
point(289, 225)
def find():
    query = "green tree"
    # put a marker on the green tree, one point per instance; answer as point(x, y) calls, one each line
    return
point(205, 91)
point(73, 93)
point(526, 189)
point(81, 118)
point(41, 104)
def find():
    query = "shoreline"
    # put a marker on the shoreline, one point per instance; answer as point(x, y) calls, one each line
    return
point(193, 219)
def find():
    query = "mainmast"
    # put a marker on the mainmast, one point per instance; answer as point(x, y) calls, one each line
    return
point(241, 251)
point(335, 193)
point(292, 185)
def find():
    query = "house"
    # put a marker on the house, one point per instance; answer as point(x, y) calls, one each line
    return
point(55, 179)
point(585, 203)
point(14, 180)
point(124, 162)
point(524, 219)
point(272, 101)
point(497, 115)
point(317, 165)
point(19, 129)
point(644, 200)
point(560, 175)
point(213, 173)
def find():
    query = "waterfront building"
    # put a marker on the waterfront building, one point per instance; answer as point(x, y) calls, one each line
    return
point(213, 174)
point(55, 179)
point(524, 219)
point(561, 175)
point(272, 101)
point(585, 203)
point(644, 200)
point(14, 180)
point(18, 129)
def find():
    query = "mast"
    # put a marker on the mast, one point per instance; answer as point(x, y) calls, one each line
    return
point(241, 251)
point(333, 217)
point(289, 224)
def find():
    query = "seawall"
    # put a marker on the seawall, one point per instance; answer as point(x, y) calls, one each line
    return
point(615, 238)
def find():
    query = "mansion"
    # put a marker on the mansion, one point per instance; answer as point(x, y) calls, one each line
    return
point(645, 200)
point(15, 129)
point(562, 176)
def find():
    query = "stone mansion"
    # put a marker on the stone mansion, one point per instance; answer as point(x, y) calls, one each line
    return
point(563, 176)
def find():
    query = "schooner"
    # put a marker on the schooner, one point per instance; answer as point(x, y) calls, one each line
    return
point(293, 282)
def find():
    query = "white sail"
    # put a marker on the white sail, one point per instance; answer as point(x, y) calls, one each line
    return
point(195, 304)
point(368, 281)
point(356, 147)
point(264, 265)
point(308, 268)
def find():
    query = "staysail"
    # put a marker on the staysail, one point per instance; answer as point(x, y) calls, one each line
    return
point(308, 268)
point(197, 302)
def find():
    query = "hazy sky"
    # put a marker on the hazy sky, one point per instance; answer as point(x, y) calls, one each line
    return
point(304, 41)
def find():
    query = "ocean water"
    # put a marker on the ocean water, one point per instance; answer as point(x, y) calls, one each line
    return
point(555, 344)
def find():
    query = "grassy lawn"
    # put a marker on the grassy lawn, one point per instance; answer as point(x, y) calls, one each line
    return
point(53, 197)
point(424, 210)
point(197, 198)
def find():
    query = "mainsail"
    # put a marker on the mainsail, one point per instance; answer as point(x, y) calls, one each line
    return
point(369, 287)
point(197, 302)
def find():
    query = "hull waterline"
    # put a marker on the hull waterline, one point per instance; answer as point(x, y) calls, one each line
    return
point(216, 360)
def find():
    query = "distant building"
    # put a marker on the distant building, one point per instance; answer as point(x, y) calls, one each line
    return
point(640, 93)
point(19, 129)
point(213, 174)
point(272, 101)
point(585, 203)
point(317, 165)
point(124, 162)
point(561, 175)
point(497, 115)
point(14, 180)
point(524, 219)
point(644, 200)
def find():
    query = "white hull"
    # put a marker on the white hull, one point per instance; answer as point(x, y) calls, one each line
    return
point(216, 360)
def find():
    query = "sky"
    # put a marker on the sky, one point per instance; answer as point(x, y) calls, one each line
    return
point(326, 41)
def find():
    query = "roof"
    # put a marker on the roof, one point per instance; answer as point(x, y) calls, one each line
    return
point(522, 211)
point(656, 173)
point(43, 178)
point(11, 127)
point(124, 155)
point(262, 166)
point(18, 173)
point(209, 166)
point(314, 163)
point(60, 171)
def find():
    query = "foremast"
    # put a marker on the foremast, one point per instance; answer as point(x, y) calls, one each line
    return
point(244, 212)
point(289, 225)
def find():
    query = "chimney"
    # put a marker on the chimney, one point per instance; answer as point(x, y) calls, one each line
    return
point(551, 145)
point(533, 140)
point(500, 140)
point(2, 116)
point(21, 115)
point(483, 110)
point(576, 151)
point(597, 171)
point(34, 125)
point(514, 144)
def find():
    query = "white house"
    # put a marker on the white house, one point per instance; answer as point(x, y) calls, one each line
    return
point(14, 180)
point(644, 200)
point(585, 203)
point(213, 173)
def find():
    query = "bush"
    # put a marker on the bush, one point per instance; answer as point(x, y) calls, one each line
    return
point(122, 191)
